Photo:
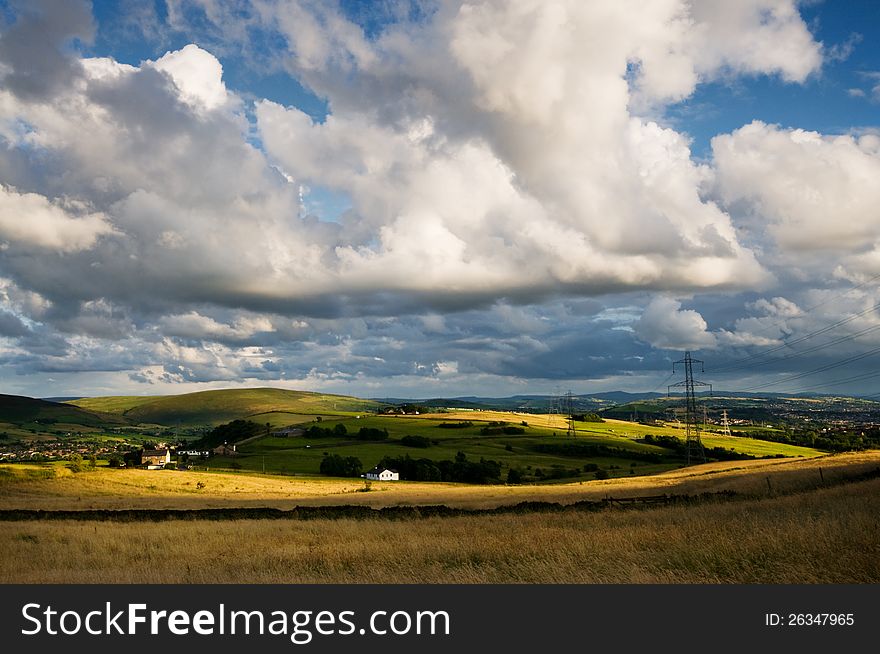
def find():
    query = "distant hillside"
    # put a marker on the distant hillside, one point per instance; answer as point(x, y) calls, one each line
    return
point(215, 407)
point(18, 410)
point(112, 404)
point(528, 403)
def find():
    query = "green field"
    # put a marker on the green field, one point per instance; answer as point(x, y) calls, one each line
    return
point(303, 455)
point(542, 453)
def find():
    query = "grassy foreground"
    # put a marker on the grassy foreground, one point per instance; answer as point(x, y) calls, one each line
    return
point(827, 535)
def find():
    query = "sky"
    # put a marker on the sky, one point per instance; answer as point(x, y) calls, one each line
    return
point(407, 198)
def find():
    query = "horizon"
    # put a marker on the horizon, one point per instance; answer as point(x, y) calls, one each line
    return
point(424, 200)
point(720, 394)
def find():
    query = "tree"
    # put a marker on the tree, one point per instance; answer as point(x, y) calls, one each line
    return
point(335, 465)
point(514, 476)
point(76, 462)
point(339, 430)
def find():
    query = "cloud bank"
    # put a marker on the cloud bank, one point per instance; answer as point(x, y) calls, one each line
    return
point(503, 162)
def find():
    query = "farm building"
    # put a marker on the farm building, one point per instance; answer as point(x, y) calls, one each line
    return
point(225, 450)
point(382, 474)
point(288, 432)
point(154, 459)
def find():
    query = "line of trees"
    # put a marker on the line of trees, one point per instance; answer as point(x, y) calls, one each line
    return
point(231, 432)
point(680, 448)
point(340, 431)
point(484, 471)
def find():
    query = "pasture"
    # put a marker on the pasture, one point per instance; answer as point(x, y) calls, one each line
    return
point(542, 446)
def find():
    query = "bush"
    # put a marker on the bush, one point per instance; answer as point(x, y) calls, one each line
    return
point(372, 434)
point(415, 441)
point(601, 474)
point(514, 476)
point(561, 472)
point(509, 430)
point(456, 425)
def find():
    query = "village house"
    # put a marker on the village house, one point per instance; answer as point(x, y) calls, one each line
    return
point(225, 450)
point(382, 474)
point(155, 459)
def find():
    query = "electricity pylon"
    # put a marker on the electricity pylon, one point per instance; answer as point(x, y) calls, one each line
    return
point(693, 445)
point(725, 423)
point(569, 408)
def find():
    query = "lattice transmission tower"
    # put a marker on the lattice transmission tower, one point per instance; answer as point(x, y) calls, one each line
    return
point(569, 409)
point(725, 423)
point(693, 444)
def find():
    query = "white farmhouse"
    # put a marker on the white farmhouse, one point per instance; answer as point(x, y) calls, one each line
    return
point(382, 474)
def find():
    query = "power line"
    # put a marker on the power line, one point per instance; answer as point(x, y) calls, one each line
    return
point(829, 366)
point(860, 377)
point(810, 350)
point(826, 301)
point(739, 363)
point(662, 383)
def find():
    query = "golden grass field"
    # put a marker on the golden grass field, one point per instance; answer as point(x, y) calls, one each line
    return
point(828, 535)
point(789, 524)
point(112, 489)
point(54, 487)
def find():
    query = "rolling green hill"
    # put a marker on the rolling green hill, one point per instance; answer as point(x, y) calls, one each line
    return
point(113, 404)
point(20, 411)
point(215, 407)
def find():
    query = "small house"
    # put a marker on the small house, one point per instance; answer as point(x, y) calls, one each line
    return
point(155, 459)
point(382, 474)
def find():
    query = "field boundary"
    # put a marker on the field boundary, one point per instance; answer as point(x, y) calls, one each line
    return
point(349, 511)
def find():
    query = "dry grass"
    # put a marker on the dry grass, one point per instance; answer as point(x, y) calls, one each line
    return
point(161, 489)
point(830, 535)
